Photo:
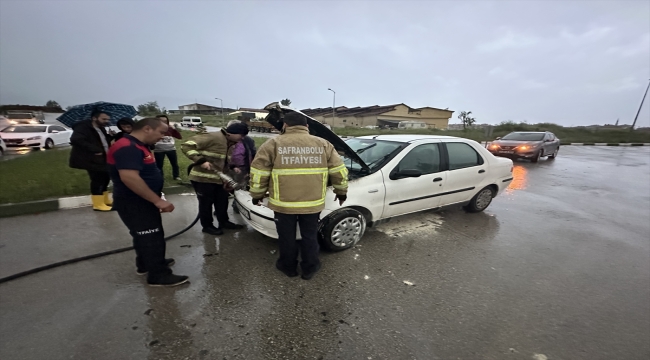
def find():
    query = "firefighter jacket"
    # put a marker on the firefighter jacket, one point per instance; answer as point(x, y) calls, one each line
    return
point(294, 168)
point(215, 149)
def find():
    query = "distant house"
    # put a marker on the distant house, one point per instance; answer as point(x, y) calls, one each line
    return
point(382, 116)
point(198, 109)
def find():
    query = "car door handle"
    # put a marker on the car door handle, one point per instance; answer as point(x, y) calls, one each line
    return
point(437, 179)
point(481, 171)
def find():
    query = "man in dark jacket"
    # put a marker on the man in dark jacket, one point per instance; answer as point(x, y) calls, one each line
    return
point(90, 143)
point(125, 125)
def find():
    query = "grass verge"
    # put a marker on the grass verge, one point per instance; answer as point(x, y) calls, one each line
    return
point(566, 135)
point(43, 175)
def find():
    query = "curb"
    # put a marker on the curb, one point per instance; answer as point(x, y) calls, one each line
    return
point(40, 206)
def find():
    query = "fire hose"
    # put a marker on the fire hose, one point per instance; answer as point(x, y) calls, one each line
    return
point(225, 178)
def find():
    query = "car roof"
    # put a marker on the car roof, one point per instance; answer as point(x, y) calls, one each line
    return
point(530, 132)
point(405, 138)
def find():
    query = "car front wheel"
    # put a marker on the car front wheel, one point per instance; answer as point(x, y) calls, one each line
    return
point(49, 144)
point(537, 156)
point(481, 200)
point(342, 229)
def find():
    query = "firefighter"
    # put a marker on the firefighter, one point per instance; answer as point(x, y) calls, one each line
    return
point(138, 184)
point(294, 168)
point(216, 148)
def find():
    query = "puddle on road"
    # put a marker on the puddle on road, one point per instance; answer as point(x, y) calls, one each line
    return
point(425, 222)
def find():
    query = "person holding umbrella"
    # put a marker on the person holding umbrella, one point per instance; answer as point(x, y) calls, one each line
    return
point(90, 143)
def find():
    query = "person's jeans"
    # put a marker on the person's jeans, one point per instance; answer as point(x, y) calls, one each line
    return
point(308, 248)
point(144, 222)
point(99, 181)
point(173, 160)
point(211, 194)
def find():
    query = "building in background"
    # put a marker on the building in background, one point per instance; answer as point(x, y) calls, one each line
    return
point(382, 116)
point(200, 109)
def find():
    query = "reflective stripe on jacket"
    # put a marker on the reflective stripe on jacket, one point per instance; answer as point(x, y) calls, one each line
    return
point(294, 168)
point(214, 148)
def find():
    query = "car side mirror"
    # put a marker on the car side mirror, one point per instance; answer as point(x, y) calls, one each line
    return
point(548, 140)
point(498, 138)
point(55, 131)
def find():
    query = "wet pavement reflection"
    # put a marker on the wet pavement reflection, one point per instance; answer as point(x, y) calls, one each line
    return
point(558, 265)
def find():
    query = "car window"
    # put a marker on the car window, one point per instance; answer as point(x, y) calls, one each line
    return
point(50, 129)
point(425, 158)
point(59, 128)
point(462, 156)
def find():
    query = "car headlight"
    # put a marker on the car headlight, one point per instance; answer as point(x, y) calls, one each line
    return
point(494, 146)
point(35, 138)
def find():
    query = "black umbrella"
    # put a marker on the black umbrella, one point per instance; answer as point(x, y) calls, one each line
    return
point(79, 113)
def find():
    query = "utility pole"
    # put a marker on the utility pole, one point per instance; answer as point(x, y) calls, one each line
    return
point(333, 106)
point(640, 106)
point(222, 117)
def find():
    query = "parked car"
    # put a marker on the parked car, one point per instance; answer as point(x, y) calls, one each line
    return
point(191, 121)
point(393, 175)
point(3, 147)
point(25, 117)
point(36, 136)
point(526, 145)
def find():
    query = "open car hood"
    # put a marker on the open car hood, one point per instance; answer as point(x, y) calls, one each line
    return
point(275, 117)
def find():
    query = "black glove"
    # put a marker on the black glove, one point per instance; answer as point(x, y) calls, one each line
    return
point(256, 201)
point(341, 198)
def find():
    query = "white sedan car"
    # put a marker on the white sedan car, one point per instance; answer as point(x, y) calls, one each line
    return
point(35, 136)
point(393, 175)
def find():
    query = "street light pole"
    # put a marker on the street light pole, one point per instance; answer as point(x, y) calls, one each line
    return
point(640, 106)
point(222, 118)
point(333, 105)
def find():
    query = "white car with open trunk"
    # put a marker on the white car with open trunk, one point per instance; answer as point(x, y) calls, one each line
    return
point(393, 175)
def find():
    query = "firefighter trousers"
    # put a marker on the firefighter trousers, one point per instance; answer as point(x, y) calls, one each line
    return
point(143, 220)
point(210, 194)
point(308, 247)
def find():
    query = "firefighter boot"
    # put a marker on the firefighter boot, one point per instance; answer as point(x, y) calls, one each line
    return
point(107, 199)
point(98, 203)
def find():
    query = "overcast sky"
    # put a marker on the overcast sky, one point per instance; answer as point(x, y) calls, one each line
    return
point(568, 62)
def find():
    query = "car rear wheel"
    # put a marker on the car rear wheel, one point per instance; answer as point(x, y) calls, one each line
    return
point(554, 155)
point(481, 200)
point(342, 229)
point(49, 144)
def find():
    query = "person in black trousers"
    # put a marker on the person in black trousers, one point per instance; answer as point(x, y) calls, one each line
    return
point(90, 143)
point(166, 147)
point(138, 184)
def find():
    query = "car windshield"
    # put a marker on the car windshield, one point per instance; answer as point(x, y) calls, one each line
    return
point(523, 136)
point(372, 152)
point(24, 129)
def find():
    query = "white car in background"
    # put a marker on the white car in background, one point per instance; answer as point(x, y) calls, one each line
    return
point(393, 175)
point(35, 136)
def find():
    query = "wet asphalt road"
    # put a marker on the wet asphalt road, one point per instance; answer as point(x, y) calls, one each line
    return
point(558, 267)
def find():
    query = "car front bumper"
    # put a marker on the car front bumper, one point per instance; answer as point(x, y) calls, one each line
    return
point(514, 153)
point(30, 143)
point(259, 217)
